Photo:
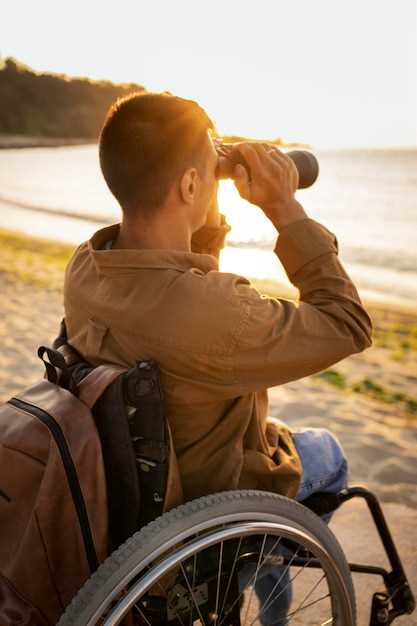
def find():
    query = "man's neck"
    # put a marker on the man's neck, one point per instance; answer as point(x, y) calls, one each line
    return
point(162, 236)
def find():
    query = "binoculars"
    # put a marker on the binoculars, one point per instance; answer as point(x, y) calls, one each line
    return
point(305, 162)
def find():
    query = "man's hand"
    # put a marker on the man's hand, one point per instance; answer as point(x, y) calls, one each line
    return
point(272, 183)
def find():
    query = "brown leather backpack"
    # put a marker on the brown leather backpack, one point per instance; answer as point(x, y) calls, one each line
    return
point(54, 504)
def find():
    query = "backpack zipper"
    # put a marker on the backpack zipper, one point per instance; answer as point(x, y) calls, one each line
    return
point(71, 473)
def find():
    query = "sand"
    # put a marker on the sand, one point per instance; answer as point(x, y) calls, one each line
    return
point(381, 446)
point(380, 438)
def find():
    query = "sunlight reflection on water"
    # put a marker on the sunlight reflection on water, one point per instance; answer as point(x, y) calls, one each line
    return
point(368, 198)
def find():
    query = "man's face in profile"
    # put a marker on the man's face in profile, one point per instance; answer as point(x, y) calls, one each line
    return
point(207, 172)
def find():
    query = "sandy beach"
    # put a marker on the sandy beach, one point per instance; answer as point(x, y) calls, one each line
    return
point(368, 400)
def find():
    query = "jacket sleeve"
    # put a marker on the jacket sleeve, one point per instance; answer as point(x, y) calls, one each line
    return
point(277, 340)
point(210, 240)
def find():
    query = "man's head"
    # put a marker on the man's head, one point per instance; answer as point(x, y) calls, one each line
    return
point(156, 144)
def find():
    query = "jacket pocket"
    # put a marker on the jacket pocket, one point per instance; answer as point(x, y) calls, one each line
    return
point(96, 334)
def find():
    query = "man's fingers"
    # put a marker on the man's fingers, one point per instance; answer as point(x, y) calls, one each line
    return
point(241, 180)
point(288, 163)
point(251, 157)
point(270, 174)
point(240, 173)
point(266, 154)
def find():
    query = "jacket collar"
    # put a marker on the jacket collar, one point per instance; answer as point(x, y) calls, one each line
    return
point(111, 261)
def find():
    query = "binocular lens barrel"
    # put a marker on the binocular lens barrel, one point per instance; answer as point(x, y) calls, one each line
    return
point(307, 167)
point(305, 162)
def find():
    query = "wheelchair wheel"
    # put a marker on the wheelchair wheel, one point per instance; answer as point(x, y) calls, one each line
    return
point(237, 557)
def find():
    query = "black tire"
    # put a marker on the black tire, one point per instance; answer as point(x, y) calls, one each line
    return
point(207, 513)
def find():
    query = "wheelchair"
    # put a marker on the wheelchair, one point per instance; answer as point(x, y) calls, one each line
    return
point(183, 568)
point(200, 562)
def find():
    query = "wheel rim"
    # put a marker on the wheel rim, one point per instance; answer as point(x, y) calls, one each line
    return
point(177, 553)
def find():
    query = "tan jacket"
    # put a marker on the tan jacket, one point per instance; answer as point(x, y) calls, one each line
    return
point(219, 343)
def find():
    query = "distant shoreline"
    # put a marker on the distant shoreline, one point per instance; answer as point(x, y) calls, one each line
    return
point(8, 142)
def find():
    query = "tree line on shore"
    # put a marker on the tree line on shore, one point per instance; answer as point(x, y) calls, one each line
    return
point(54, 105)
point(48, 105)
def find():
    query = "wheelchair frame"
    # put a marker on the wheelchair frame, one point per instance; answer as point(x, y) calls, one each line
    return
point(397, 599)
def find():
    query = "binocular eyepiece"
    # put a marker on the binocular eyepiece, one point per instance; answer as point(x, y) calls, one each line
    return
point(305, 162)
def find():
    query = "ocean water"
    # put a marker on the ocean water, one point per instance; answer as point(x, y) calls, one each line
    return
point(368, 198)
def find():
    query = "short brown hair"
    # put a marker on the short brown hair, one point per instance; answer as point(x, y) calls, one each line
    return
point(147, 140)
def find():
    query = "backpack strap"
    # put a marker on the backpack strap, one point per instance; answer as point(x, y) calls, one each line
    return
point(55, 362)
point(96, 382)
point(91, 386)
point(57, 371)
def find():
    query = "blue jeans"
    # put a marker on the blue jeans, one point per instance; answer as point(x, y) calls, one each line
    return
point(324, 468)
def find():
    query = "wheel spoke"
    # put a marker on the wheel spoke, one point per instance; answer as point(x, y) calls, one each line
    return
point(142, 615)
point(256, 576)
point(229, 582)
point(250, 580)
point(169, 605)
point(303, 606)
point(193, 584)
point(328, 621)
point(192, 594)
point(218, 583)
point(268, 602)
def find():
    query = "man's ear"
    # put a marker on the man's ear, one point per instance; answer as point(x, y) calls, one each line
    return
point(188, 185)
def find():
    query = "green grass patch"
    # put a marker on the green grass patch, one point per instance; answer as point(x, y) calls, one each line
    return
point(400, 339)
point(398, 355)
point(33, 260)
point(370, 388)
point(333, 377)
point(411, 406)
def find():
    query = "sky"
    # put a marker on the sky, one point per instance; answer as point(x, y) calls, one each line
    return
point(330, 73)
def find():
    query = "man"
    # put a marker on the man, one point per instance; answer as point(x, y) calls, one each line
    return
point(150, 288)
